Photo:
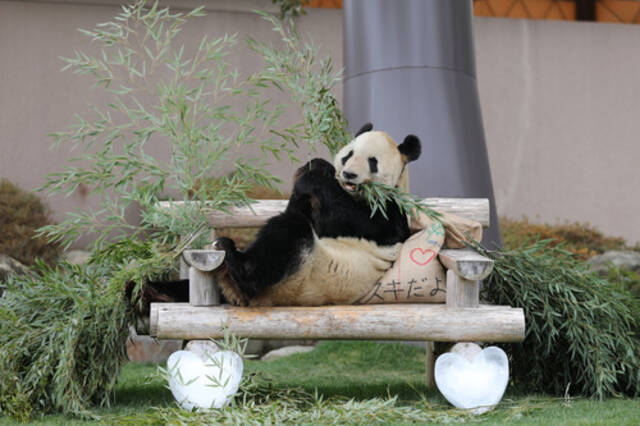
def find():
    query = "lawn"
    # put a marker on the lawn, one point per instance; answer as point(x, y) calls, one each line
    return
point(360, 371)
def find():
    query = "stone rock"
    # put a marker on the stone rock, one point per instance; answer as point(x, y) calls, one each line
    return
point(286, 351)
point(272, 344)
point(618, 258)
point(77, 257)
point(203, 348)
point(148, 349)
point(254, 347)
point(10, 266)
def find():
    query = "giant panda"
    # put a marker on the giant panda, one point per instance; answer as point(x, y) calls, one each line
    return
point(326, 247)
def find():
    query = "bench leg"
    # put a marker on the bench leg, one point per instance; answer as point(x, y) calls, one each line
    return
point(430, 364)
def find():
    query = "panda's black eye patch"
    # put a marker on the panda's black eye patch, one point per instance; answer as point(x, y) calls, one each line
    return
point(346, 157)
point(373, 164)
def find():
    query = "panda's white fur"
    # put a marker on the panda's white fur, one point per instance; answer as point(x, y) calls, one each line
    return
point(341, 270)
point(335, 271)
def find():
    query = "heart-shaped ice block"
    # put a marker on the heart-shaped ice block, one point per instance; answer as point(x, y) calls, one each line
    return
point(204, 384)
point(477, 384)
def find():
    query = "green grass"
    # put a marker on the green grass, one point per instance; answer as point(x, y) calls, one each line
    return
point(363, 370)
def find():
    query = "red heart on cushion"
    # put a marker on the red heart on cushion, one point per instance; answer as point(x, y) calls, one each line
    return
point(422, 257)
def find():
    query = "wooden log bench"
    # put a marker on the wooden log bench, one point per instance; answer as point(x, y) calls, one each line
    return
point(461, 319)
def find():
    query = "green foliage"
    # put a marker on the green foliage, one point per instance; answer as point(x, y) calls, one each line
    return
point(63, 331)
point(295, 68)
point(582, 239)
point(582, 332)
point(56, 330)
point(290, 7)
point(627, 278)
point(310, 410)
point(21, 215)
point(160, 95)
point(378, 194)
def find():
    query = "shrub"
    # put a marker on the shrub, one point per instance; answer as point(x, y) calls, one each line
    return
point(626, 278)
point(21, 214)
point(579, 238)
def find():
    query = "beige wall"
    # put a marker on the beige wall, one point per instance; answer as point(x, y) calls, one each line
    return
point(561, 108)
point(560, 102)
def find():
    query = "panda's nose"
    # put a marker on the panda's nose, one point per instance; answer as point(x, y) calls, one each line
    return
point(349, 175)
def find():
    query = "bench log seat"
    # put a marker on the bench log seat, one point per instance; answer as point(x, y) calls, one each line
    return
point(410, 321)
point(461, 319)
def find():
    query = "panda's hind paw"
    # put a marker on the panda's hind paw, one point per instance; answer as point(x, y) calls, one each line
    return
point(229, 287)
point(224, 244)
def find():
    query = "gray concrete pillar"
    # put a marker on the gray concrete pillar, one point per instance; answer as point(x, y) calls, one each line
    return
point(410, 68)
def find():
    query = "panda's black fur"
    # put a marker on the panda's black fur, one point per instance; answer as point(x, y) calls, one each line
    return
point(318, 205)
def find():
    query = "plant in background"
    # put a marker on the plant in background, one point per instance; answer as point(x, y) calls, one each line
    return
point(583, 240)
point(583, 332)
point(295, 68)
point(290, 7)
point(627, 278)
point(21, 215)
point(162, 96)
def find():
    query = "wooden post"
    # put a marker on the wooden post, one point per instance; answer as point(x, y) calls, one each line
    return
point(202, 288)
point(430, 365)
point(465, 269)
point(184, 269)
point(461, 292)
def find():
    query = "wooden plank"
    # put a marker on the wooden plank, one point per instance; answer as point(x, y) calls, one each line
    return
point(461, 292)
point(471, 208)
point(432, 322)
point(467, 263)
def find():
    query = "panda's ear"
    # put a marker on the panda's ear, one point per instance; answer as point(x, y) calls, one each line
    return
point(366, 128)
point(410, 148)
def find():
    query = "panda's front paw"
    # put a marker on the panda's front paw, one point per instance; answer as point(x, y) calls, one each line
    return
point(225, 244)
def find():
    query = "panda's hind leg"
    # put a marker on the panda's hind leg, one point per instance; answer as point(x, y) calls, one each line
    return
point(277, 252)
point(228, 276)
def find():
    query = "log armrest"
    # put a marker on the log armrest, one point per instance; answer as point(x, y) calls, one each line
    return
point(467, 263)
point(202, 287)
point(465, 269)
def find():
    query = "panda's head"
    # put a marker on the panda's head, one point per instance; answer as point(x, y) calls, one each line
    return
point(375, 156)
